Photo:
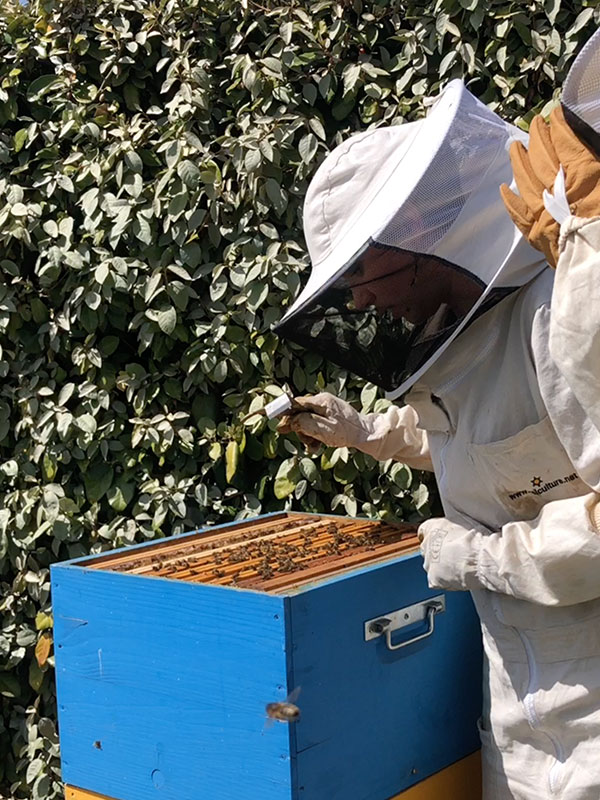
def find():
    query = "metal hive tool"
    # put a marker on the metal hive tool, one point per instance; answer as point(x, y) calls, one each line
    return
point(269, 554)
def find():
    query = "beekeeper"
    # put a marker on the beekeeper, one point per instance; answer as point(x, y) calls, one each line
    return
point(422, 283)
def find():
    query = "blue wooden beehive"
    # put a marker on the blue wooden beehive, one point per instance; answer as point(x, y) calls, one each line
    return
point(163, 683)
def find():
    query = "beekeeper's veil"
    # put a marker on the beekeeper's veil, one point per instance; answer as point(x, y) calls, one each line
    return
point(581, 94)
point(408, 239)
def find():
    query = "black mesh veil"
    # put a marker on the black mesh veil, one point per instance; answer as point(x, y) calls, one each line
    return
point(387, 314)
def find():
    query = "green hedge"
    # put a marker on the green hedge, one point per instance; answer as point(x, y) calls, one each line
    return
point(153, 160)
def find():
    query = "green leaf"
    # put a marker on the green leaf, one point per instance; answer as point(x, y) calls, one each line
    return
point(232, 459)
point(447, 61)
point(252, 160)
point(98, 480)
point(351, 75)
point(402, 476)
point(276, 195)
point(120, 495)
point(142, 229)
point(89, 200)
point(167, 320)
point(317, 127)
point(181, 272)
point(286, 479)
point(65, 183)
point(5, 427)
point(420, 496)
point(9, 685)
point(66, 393)
point(39, 312)
point(43, 621)
point(189, 173)
point(41, 86)
point(172, 154)
point(214, 451)
point(210, 173)
point(582, 19)
point(308, 468)
point(134, 162)
point(41, 788)
point(310, 93)
point(308, 147)
point(132, 97)
point(20, 139)
point(342, 108)
point(49, 467)
point(272, 65)
point(286, 30)
point(177, 205)
point(108, 345)
point(34, 769)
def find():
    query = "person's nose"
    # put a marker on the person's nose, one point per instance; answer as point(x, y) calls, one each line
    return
point(363, 298)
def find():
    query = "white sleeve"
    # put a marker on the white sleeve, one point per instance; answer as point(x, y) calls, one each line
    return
point(553, 560)
point(394, 434)
point(575, 312)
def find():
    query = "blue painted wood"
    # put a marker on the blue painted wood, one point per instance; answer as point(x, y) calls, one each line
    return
point(162, 685)
point(375, 722)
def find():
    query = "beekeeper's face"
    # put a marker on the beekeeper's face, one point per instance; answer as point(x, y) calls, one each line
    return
point(399, 282)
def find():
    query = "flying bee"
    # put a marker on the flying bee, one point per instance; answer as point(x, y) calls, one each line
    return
point(285, 711)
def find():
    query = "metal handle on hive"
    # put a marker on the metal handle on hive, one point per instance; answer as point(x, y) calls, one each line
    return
point(431, 612)
point(388, 624)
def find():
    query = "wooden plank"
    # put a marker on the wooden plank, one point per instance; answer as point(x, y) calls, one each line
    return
point(162, 685)
point(459, 781)
point(73, 793)
point(396, 717)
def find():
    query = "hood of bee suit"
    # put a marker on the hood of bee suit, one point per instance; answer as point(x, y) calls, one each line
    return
point(409, 239)
point(581, 94)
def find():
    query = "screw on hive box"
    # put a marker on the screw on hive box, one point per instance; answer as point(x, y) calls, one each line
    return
point(379, 625)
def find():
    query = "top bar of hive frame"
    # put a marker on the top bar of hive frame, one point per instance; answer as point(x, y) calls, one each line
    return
point(268, 554)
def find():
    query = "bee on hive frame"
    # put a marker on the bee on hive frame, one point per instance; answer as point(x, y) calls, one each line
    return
point(285, 711)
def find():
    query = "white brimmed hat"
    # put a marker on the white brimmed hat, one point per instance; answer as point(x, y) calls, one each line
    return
point(581, 94)
point(430, 188)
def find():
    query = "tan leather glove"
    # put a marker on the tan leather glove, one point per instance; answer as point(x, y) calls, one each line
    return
point(535, 169)
point(327, 419)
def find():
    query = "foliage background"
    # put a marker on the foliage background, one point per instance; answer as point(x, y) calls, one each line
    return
point(153, 160)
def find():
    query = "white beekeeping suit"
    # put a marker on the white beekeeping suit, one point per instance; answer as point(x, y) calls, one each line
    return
point(516, 456)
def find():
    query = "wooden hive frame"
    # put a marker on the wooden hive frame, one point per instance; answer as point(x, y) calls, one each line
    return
point(272, 554)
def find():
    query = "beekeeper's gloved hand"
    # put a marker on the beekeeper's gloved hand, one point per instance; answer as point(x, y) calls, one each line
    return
point(535, 170)
point(454, 567)
point(327, 419)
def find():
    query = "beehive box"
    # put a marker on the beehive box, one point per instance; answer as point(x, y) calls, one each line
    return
point(168, 655)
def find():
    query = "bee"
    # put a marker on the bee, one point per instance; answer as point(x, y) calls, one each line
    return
point(285, 711)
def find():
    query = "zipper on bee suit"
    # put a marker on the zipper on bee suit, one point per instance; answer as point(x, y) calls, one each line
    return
point(443, 472)
point(554, 775)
